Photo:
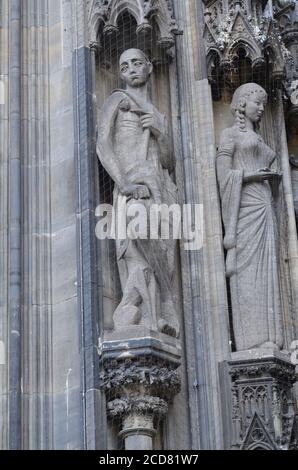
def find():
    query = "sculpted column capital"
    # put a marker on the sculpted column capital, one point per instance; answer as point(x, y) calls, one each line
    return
point(140, 379)
point(155, 376)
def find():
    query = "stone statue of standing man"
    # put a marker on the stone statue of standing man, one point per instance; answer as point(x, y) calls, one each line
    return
point(134, 148)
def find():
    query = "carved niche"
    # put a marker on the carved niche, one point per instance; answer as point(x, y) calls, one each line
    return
point(232, 26)
point(287, 18)
point(106, 13)
point(138, 385)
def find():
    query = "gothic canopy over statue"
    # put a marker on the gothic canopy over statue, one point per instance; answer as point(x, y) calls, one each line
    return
point(106, 13)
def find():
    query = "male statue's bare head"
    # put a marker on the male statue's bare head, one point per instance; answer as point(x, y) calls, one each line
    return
point(135, 68)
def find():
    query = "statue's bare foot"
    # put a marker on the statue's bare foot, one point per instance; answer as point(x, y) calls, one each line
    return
point(167, 329)
point(126, 315)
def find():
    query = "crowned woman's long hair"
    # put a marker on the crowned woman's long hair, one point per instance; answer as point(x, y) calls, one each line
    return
point(239, 100)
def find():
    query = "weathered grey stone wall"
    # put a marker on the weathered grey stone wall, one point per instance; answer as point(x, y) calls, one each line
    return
point(60, 403)
point(4, 77)
point(68, 426)
point(89, 261)
point(39, 304)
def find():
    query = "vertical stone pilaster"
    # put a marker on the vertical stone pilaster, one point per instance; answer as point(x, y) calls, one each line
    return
point(89, 286)
point(67, 369)
point(15, 223)
point(37, 282)
point(289, 34)
point(88, 264)
point(209, 326)
point(4, 259)
point(289, 220)
point(25, 100)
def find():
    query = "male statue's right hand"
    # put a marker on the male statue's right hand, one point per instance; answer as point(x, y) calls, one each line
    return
point(136, 191)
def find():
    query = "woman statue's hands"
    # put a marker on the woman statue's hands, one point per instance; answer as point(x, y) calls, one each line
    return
point(262, 174)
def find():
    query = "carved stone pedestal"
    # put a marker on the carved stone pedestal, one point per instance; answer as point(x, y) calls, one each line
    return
point(258, 406)
point(140, 378)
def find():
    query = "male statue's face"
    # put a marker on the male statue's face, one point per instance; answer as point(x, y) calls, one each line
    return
point(135, 70)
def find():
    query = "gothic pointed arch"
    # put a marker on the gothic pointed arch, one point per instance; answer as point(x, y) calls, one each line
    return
point(247, 26)
point(108, 13)
point(257, 436)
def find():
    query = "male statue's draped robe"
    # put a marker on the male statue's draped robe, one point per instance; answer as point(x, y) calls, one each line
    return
point(145, 266)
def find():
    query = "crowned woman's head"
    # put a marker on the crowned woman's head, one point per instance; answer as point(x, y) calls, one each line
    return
point(248, 105)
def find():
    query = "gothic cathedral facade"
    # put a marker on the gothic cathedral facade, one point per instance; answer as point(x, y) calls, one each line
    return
point(185, 111)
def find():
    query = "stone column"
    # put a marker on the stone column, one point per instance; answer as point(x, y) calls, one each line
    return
point(207, 325)
point(294, 175)
point(140, 379)
point(15, 220)
point(138, 414)
point(4, 221)
point(289, 203)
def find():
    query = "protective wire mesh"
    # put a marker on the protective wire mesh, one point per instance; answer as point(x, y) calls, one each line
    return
point(225, 79)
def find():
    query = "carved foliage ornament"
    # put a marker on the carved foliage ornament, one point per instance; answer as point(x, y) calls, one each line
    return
point(147, 404)
point(280, 370)
point(125, 374)
point(142, 387)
